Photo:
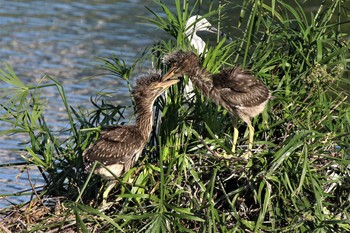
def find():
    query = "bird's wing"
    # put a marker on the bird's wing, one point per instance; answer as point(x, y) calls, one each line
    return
point(238, 88)
point(116, 145)
point(119, 133)
point(237, 79)
point(112, 152)
point(233, 99)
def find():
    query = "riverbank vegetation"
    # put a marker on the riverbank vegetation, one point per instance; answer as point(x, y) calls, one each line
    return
point(296, 181)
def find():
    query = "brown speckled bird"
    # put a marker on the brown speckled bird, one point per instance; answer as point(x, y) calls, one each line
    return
point(119, 147)
point(235, 89)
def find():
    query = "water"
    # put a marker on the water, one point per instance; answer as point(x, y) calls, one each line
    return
point(63, 38)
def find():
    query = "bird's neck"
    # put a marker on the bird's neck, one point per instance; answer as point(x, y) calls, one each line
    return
point(201, 78)
point(190, 32)
point(195, 41)
point(144, 117)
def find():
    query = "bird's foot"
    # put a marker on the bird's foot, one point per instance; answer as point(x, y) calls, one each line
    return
point(222, 154)
point(246, 155)
point(244, 152)
point(229, 156)
point(106, 193)
point(106, 205)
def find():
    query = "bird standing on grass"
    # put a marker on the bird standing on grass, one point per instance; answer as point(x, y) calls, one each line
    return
point(119, 147)
point(235, 89)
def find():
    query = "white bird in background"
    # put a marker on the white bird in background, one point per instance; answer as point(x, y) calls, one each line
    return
point(196, 24)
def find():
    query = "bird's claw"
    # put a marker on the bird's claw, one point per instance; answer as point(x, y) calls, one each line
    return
point(106, 205)
point(246, 155)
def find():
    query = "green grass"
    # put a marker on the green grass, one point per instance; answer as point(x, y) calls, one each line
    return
point(297, 180)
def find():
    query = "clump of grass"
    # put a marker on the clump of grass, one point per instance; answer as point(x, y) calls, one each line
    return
point(297, 180)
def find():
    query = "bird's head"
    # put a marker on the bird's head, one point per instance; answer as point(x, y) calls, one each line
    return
point(197, 23)
point(151, 86)
point(181, 63)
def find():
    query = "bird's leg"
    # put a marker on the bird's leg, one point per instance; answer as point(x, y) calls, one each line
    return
point(251, 138)
point(235, 134)
point(107, 191)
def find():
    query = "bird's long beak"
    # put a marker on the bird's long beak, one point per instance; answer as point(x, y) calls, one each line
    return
point(170, 82)
point(169, 74)
point(169, 78)
point(214, 30)
point(167, 83)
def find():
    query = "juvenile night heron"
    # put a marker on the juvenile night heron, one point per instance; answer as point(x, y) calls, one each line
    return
point(119, 147)
point(235, 89)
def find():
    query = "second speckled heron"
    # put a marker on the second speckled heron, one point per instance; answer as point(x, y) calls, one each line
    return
point(235, 89)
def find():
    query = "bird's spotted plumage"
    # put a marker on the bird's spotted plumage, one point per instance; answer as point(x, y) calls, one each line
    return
point(240, 88)
point(235, 89)
point(115, 147)
point(119, 147)
point(145, 81)
point(183, 63)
